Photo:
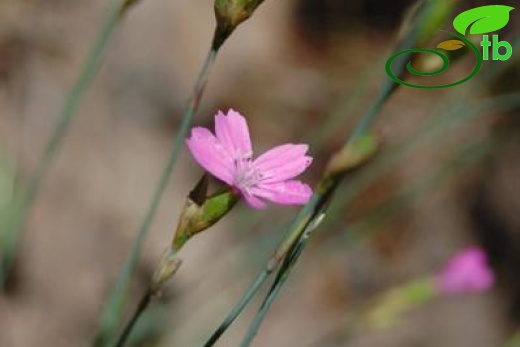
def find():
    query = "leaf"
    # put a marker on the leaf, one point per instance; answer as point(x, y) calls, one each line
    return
point(482, 20)
point(451, 45)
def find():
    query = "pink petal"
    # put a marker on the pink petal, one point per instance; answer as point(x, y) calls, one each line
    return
point(233, 133)
point(282, 162)
point(467, 272)
point(211, 155)
point(254, 201)
point(291, 192)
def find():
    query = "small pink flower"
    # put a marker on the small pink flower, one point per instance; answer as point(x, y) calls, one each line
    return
point(467, 272)
point(228, 155)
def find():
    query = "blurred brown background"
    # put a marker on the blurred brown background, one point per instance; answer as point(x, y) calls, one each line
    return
point(286, 69)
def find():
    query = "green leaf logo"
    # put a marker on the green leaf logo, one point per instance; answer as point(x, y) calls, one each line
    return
point(482, 20)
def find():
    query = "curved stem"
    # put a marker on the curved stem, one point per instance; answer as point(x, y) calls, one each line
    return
point(114, 307)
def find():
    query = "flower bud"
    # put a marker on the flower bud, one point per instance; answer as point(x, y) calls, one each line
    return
point(229, 14)
point(167, 268)
point(354, 154)
point(199, 215)
point(127, 4)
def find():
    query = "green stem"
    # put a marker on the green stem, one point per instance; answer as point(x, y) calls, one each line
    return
point(368, 119)
point(317, 199)
point(275, 289)
point(250, 291)
point(141, 307)
point(289, 262)
point(165, 270)
point(454, 107)
point(325, 189)
point(300, 223)
point(15, 226)
point(306, 215)
point(114, 307)
point(239, 307)
point(503, 102)
point(271, 265)
point(293, 253)
point(389, 86)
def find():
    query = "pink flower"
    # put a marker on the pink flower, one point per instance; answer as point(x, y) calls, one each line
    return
point(467, 272)
point(228, 155)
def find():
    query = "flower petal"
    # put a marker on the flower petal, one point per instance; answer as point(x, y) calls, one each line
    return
point(290, 192)
point(253, 201)
point(467, 272)
point(211, 155)
point(282, 162)
point(233, 133)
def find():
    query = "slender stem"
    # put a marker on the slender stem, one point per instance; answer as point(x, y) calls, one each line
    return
point(365, 123)
point(468, 156)
point(115, 303)
point(16, 225)
point(321, 197)
point(275, 289)
point(421, 22)
point(288, 263)
point(259, 317)
point(166, 269)
point(344, 110)
point(300, 224)
point(473, 152)
point(301, 221)
point(425, 134)
point(239, 307)
point(141, 307)
point(497, 103)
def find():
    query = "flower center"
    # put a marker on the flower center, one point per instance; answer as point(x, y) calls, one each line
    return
point(246, 176)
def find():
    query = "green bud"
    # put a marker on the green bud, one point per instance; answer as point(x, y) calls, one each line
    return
point(199, 216)
point(167, 268)
point(229, 14)
point(126, 5)
point(354, 154)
